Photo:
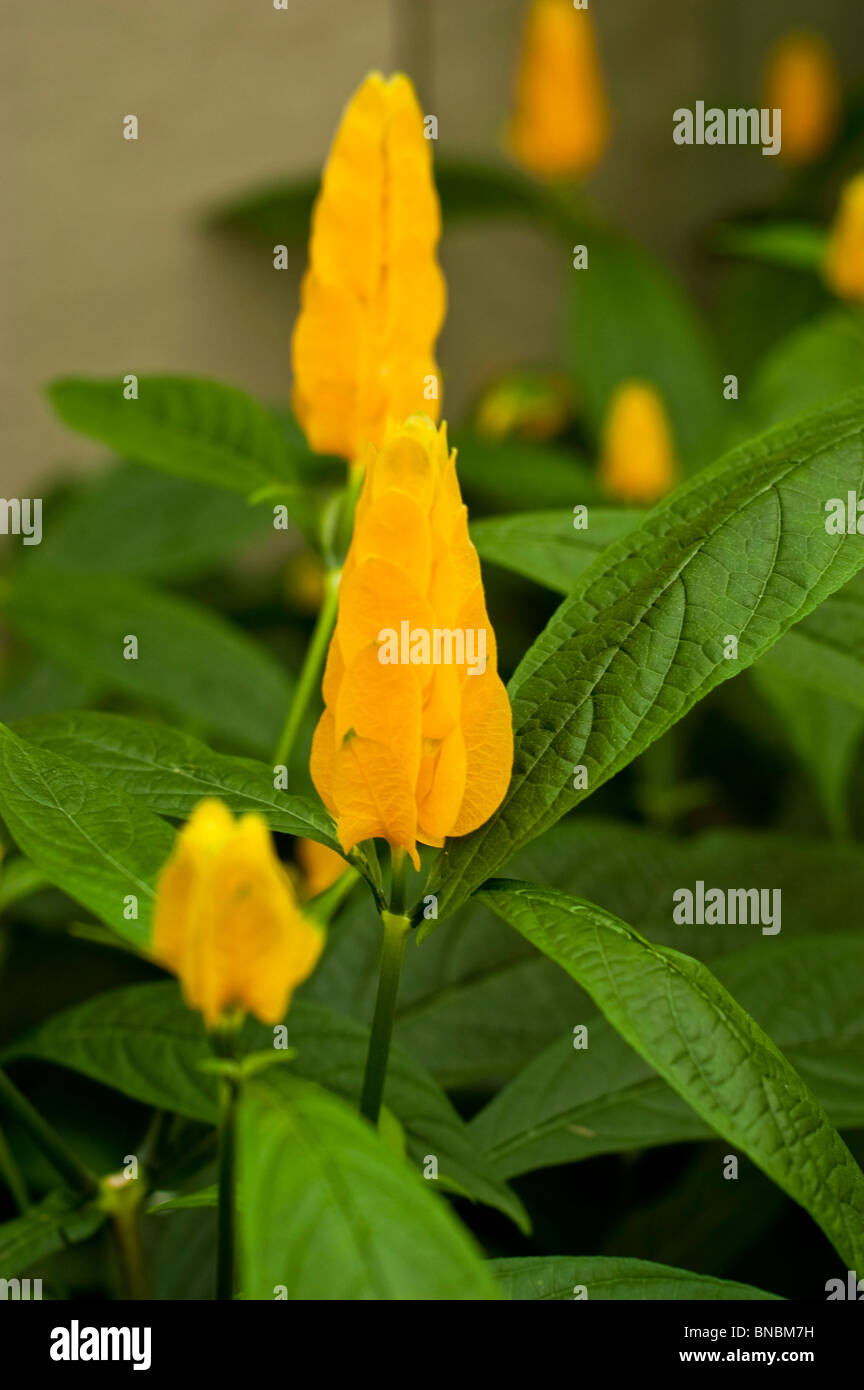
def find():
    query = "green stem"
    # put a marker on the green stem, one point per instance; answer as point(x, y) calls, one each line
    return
point(396, 930)
point(127, 1233)
point(313, 664)
point(79, 1178)
point(228, 1089)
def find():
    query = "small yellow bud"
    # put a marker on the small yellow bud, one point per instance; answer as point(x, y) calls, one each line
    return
point(844, 258)
point(226, 919)
point(529, 405)
point(801, 80)
point(638, 458)
point(561, 122)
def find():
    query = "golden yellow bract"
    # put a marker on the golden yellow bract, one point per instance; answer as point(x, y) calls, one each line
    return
point(561, 123)
point(638, 462)
point(420, 746)
point(373, 298)
point(844, 258)
point(226, 918)
point(801, 81)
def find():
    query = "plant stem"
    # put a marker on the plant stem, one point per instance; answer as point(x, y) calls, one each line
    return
point(127, 1234)
point(310, 672)
point(79, 1178)
point(396, 929)
point(228, 1089)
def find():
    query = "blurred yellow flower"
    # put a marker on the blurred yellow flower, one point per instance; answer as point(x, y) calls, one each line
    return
point(528, 404)
point(561, 122)
point(319, 866)
point(844, 258)
point(373, 298)
point(801, 80)
point(638, 461)
point(226, 918)
point(415, 742)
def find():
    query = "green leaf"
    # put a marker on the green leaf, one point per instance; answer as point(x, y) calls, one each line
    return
point(468, 191)
point(204, 430)
point(58, 1220)
point(83, 833)
point(132, 521)
point(673, 1011)
point(826, 651)
point(170, 772)
point(631, 321)
point(823, 732)
point(740, 549)
point(603, 1278)
point(190, 661)
point(545, 546)
point(819, 362)
point(328, 1212)
point(510, 474)
point(799, 245)
point(477, 1004)
point(571, 1104)
point(142, 1041)
point(18, 879)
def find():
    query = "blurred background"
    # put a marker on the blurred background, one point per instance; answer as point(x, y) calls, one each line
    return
point(107, 265)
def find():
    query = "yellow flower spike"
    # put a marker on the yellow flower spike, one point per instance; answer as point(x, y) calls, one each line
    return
point(844, 258)
point(226, 920)
point(561, 123)
point(416, 739)
point(801, 80)
point(638, 461)
point(373, 298)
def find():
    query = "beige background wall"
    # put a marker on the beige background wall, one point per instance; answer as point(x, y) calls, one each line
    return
point(105, 268)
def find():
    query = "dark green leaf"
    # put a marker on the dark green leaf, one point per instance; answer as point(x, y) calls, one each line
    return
point(604, 1278)
point(571, 1104)
point(189, 660)
point(204, 430)
point(631, 321)
point(170, 772)
point(83, 834)
point(673, 1011)
point(741, 549)
point(59, 1220)
point(545, 546)
point(143, 1041)
point(132, 521)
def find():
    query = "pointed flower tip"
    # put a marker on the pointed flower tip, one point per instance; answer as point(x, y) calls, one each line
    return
point(415, 743)
point(638, 462)
point(226, 919)
point(560, 126)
